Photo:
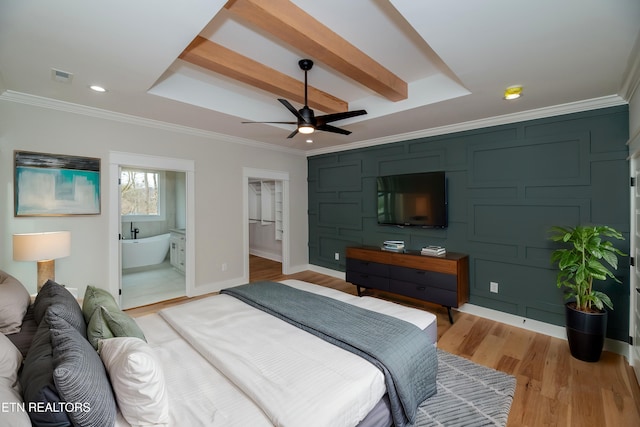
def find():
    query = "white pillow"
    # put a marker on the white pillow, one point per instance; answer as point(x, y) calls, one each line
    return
point(137, 380)
point(12, 412)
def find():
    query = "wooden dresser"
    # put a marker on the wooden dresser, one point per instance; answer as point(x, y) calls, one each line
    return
point(439, 279)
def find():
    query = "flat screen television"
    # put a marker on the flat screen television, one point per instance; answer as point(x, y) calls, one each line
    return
point(414, 200)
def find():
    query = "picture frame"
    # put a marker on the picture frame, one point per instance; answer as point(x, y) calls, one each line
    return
point(55, 184)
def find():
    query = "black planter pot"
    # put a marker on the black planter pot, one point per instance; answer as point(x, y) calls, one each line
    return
point(585, 333)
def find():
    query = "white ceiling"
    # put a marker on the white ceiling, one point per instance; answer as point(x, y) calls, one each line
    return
point(457, 57)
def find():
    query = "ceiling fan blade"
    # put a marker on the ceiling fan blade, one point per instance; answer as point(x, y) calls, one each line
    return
point(292, 134)
point(329, 128)
point(291, 108)
point(282, 123)
point(327, 118)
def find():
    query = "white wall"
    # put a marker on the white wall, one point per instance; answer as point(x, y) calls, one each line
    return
point(218, 191)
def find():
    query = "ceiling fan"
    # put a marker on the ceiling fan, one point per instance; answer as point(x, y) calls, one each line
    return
point(307, 122)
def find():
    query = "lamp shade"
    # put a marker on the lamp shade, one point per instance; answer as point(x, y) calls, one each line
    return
point(41, 246)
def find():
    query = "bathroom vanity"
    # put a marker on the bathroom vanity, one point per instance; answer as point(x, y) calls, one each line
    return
point(177, 247)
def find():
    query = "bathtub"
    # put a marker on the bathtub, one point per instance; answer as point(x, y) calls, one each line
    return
point(143, 252)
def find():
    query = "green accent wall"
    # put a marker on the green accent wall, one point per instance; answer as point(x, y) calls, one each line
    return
point(507, 185)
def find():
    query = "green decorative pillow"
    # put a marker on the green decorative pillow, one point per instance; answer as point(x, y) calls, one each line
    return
point(97, 328)
point(109, 324)
point(96, 297)
point(121, 324)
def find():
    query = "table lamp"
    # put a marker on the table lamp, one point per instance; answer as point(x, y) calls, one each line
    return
point(43, 248)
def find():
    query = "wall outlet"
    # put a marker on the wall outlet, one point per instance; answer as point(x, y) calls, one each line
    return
point(493, 287)
point(224, 266)
point(337, 256)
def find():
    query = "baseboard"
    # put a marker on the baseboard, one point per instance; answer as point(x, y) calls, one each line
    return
point(614, 346)
point(267, 255)
point(327, 271)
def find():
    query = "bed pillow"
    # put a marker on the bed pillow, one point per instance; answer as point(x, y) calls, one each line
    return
point(80, 376)
point(22, 340)
point(106, 324)
point(62, 302)
point(97, 328)
point(137, 380)
point(14, 301)
point(36, 381)
point(121, 324)
point(10, 397)
point(10, 361)
point(94, 298)
point(12, 414)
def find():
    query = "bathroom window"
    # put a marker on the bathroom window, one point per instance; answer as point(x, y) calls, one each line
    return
point(142, 195)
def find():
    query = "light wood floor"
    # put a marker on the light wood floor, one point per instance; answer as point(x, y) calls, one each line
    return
point(553, 388)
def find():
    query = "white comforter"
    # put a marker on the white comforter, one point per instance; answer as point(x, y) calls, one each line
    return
point(240, 366)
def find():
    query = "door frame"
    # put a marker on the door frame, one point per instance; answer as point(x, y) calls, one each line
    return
point(118, 159)
point(265, 174)
point(634, 274)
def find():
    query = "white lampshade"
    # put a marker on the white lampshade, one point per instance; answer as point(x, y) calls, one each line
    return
point(41, 246)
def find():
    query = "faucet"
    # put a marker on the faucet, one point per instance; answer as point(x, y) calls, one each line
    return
point(134, 231)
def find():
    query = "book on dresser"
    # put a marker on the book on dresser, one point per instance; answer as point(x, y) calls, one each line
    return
point(433, 250)
point(393, 245)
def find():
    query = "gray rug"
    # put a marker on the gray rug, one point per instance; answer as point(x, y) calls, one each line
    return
point(468, 395)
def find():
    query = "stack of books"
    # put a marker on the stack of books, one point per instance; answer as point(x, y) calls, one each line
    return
point(393, 245)
point(433, 250)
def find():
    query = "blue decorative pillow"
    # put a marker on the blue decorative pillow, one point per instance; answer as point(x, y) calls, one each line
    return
point(36, 381)
point(62, 302)
point(80, 377)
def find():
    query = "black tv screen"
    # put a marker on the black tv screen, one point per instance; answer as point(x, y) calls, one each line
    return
point(415, 199)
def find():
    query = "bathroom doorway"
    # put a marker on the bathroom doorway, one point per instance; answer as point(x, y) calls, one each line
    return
point(153, 227)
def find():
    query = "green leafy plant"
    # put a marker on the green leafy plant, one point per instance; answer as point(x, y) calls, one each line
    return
point(583, 261)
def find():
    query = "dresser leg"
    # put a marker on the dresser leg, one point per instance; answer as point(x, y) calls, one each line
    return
point(450, 315)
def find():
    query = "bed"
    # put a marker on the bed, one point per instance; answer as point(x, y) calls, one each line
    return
point(218, 361)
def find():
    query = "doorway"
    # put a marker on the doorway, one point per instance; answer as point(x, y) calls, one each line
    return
point(634, 312)
point(266, 217)
point(151, 219)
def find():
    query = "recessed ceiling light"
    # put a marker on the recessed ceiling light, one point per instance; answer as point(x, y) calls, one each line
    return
point(513, 92)
point(97, 88)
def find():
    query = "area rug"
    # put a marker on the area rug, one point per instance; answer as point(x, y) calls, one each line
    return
point(468, 395)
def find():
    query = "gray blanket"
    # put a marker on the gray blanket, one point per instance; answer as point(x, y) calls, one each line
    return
point(400, 349)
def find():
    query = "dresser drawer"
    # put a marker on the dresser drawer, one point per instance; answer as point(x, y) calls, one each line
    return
point(425, 278)
point(367, 280)
point(424, 292)
point(373, 268)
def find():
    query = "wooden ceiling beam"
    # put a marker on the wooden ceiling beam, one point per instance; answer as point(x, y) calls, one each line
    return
point(294, 26)
point(212, 56)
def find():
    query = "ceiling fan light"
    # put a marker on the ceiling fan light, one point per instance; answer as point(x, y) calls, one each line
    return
point(306, 129)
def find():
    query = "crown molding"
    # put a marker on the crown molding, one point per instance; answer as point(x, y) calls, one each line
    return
point(556, 110)
point(68, 107)
point(574, 107)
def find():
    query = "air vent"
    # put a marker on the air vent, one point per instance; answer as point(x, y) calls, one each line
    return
point(61, 76)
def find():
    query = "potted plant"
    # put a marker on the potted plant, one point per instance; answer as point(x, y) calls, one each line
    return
point(587, 257)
